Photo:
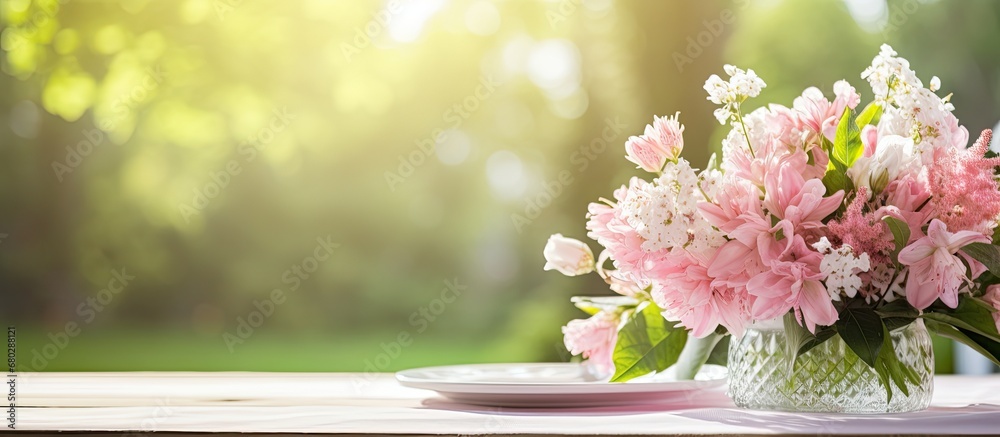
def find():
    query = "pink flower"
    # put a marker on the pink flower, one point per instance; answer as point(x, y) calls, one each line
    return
point(594, 338)
point(608, 224)
point(777, 140)
point(668, 133)
point(992, 297)
point(793, 282)
point(819, 114)
point(662, 141)
point(737, 210)
point(645, 153)
point(569, 256)
point(964, 190)
point(935, 271)
point(617, 281)
point(688, 293)
point(904, 198)
point(865, 232)
point(869, 137)
point(797, 201)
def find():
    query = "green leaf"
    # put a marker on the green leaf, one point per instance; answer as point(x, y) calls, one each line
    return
point(894, 323)
point(827, 146)
point(985, 253)
point(897, 314)
point(847, 145)
point(595, 304)
point(898, 308)
point(890, 370)
point(900, 234)
point(972, 314)
point(986, 279)
point(862, 330)
point(822, 334)
point(835, 180)
point(720, 355)
point(646, 343)
point(988, 348)
point(884, 374)
point(870, 115)
point(795, 336)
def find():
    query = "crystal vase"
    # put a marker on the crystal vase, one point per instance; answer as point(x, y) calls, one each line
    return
point(827, 378)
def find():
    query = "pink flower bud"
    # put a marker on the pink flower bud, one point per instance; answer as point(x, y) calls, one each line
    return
point(662, 141)
point(645, 153)
point(668, 133)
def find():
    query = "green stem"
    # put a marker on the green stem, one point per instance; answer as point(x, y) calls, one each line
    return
point(739, 117)
point(695, 354)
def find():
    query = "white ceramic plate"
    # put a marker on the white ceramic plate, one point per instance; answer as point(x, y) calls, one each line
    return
point(551, 385)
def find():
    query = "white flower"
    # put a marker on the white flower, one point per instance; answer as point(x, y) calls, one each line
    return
point(890, 76)
point(894, 158)
point(719, 91)
point(910, 110)
point(570, 257)
point(935, 84)
point(741, 86)
point(665, 212)
point(841, 268)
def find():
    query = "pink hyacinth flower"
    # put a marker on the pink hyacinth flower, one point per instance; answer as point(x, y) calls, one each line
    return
point(935, 271)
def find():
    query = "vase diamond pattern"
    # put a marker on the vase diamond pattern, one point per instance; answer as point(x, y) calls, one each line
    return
point(828, 378)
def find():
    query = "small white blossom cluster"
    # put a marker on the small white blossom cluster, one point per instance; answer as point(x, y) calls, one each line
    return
point(741, 85)
point(665, 212)
point(709, 181)
point(841, 268)
point(890, 76)
point(911, 110)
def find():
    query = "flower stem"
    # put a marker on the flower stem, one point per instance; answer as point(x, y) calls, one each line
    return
point(739, 117)
point(695, 354)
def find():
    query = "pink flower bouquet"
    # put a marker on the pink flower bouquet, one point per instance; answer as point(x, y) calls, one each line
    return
point(833, 219)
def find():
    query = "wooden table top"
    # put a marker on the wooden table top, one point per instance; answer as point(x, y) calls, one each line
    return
point(353, 404)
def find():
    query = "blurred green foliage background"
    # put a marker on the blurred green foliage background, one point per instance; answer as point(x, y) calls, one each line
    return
point(203, 147)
